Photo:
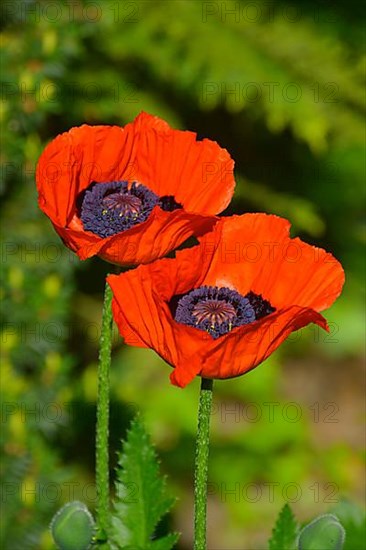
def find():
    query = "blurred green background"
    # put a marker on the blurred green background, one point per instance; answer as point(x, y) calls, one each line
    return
point(280, 85)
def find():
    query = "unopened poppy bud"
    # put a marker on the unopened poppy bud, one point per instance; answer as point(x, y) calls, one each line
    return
point(73, 527)
point(325, 533)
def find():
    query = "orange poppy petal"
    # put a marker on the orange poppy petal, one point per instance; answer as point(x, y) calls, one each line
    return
point(152, 239)
point(136, 313)
point(240, 350)
point(75, 159)
point(161, 233)
point(256, 253)
point(248, 346)
point(198, 173)
point(130, 334)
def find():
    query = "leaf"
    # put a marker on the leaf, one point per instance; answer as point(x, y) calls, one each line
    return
point(141, 496)
point(285, 531)
point(165, 543)
point(323, 533)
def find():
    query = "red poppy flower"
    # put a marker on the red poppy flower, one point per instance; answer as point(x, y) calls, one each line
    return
point(222, 307)
point(132, 194)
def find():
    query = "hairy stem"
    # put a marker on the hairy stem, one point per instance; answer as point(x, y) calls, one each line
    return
point(102, 433)
point(201, 464)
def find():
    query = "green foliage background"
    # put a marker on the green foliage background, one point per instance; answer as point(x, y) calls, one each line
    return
point(281, 87)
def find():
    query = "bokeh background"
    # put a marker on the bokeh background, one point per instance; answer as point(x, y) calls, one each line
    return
point(280, 85)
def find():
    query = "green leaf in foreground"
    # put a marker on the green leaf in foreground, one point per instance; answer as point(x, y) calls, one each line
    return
point(284, 533)
point(141, 496)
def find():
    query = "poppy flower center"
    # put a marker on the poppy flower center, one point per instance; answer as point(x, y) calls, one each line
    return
point(215, 311)
point(218, 310)
point(126, 204)
point(112, 207)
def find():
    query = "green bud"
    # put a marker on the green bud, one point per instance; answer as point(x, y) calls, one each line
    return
point(73, 527)
point(324, 533)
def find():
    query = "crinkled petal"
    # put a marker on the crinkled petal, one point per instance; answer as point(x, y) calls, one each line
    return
point(73, 160)
point(147, 241)
point(248, 346)
point(255, 252)
point(172, 162)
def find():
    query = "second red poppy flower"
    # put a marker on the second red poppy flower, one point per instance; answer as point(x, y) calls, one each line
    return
point(221, 308)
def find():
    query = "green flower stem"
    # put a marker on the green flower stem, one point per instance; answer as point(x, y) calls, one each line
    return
point(102, 448)
point(201, 464)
